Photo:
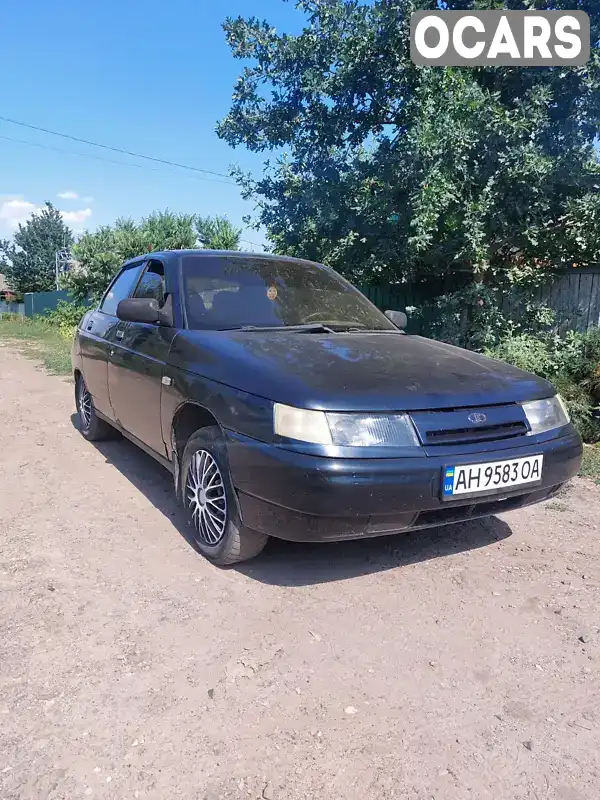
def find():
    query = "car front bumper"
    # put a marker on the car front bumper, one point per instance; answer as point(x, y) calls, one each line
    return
point(302, 497)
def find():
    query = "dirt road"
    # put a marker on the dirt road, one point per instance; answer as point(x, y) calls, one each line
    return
point(460, 664)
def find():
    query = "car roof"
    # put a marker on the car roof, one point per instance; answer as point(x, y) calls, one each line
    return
point(170, 254)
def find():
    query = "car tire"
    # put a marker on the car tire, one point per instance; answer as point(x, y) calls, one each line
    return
point(211, 503)
point(91, 426)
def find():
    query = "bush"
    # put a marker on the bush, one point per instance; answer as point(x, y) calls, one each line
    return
point(66, 318)
point(570, 362)
point(580, 406)
point(478, 316)
point(590, 466)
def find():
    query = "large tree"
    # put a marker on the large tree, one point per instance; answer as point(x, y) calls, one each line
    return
point(385, 169)
point(29, 261)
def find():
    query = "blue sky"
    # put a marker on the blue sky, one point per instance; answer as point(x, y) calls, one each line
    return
point(150, 77)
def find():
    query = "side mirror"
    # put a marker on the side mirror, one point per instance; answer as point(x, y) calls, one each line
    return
point(399, 318)
point(138, 309)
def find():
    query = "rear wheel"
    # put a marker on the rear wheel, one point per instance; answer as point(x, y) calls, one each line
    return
point(211, 504)
point(91, 426)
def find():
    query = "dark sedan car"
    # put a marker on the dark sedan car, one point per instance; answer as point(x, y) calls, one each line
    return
point(285, 404)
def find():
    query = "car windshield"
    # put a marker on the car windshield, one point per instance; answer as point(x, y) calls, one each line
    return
point(225, 292)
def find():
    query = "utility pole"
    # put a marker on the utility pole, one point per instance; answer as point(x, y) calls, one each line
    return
point(62, 262)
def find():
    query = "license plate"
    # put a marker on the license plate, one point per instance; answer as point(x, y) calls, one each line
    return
point(489, 477)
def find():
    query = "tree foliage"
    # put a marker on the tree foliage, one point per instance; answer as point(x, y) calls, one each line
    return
point(218, 233)
point(28, 262)
point(100, 253)
point(387, 170)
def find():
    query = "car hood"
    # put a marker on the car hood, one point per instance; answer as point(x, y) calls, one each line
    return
point(353, 371)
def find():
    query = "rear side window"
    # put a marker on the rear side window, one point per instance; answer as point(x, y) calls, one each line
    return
point(121, 288)
point(152, 283)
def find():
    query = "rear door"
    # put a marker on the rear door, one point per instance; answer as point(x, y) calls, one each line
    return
point(100, 328)
point(137, 364)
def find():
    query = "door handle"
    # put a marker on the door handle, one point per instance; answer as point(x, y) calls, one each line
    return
point(112, 352)
point(119, 334)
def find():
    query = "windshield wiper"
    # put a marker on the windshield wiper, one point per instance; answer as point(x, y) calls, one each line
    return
point(343, 326)
point(316, 327)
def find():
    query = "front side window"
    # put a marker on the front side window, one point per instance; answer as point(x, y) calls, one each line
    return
point(152, 283)
point(223, 292)
point(120, 289)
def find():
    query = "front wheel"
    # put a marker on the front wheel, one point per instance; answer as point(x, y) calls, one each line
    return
point(209, 499)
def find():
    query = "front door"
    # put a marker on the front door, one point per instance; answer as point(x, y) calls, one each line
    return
point(137, 364)
point(97, 333)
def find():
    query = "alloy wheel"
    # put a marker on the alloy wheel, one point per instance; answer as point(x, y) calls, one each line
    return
point(206, 497)
point(85, 405)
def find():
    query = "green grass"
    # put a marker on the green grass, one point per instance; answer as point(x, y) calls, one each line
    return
point(37, 339)
point(590, 466)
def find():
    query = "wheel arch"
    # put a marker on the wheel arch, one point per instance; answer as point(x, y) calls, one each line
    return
point(77, 374)
point(188, 418)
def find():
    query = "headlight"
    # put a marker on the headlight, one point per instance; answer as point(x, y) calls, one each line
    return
point(345, 430)
point(372, 430)
point(301, 424)
point(545, 415)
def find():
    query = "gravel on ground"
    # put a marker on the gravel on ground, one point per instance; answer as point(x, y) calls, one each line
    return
point(456, 664)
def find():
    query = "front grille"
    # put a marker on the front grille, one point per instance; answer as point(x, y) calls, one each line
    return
point(470, 425)
point(473, 435)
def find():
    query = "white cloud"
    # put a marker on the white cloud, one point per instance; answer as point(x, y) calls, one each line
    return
point(69, 194)
point(77, 216)
point(16, 210)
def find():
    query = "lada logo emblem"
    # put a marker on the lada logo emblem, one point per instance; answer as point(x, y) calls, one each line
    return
point(477, 418)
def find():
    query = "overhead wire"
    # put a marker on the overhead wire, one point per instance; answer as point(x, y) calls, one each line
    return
point(255, 244)
point(110, 160)
point(114, 149)
point(206, 177)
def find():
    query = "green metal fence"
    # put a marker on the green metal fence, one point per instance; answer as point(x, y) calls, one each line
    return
point(399, 297)
point(40, 302)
